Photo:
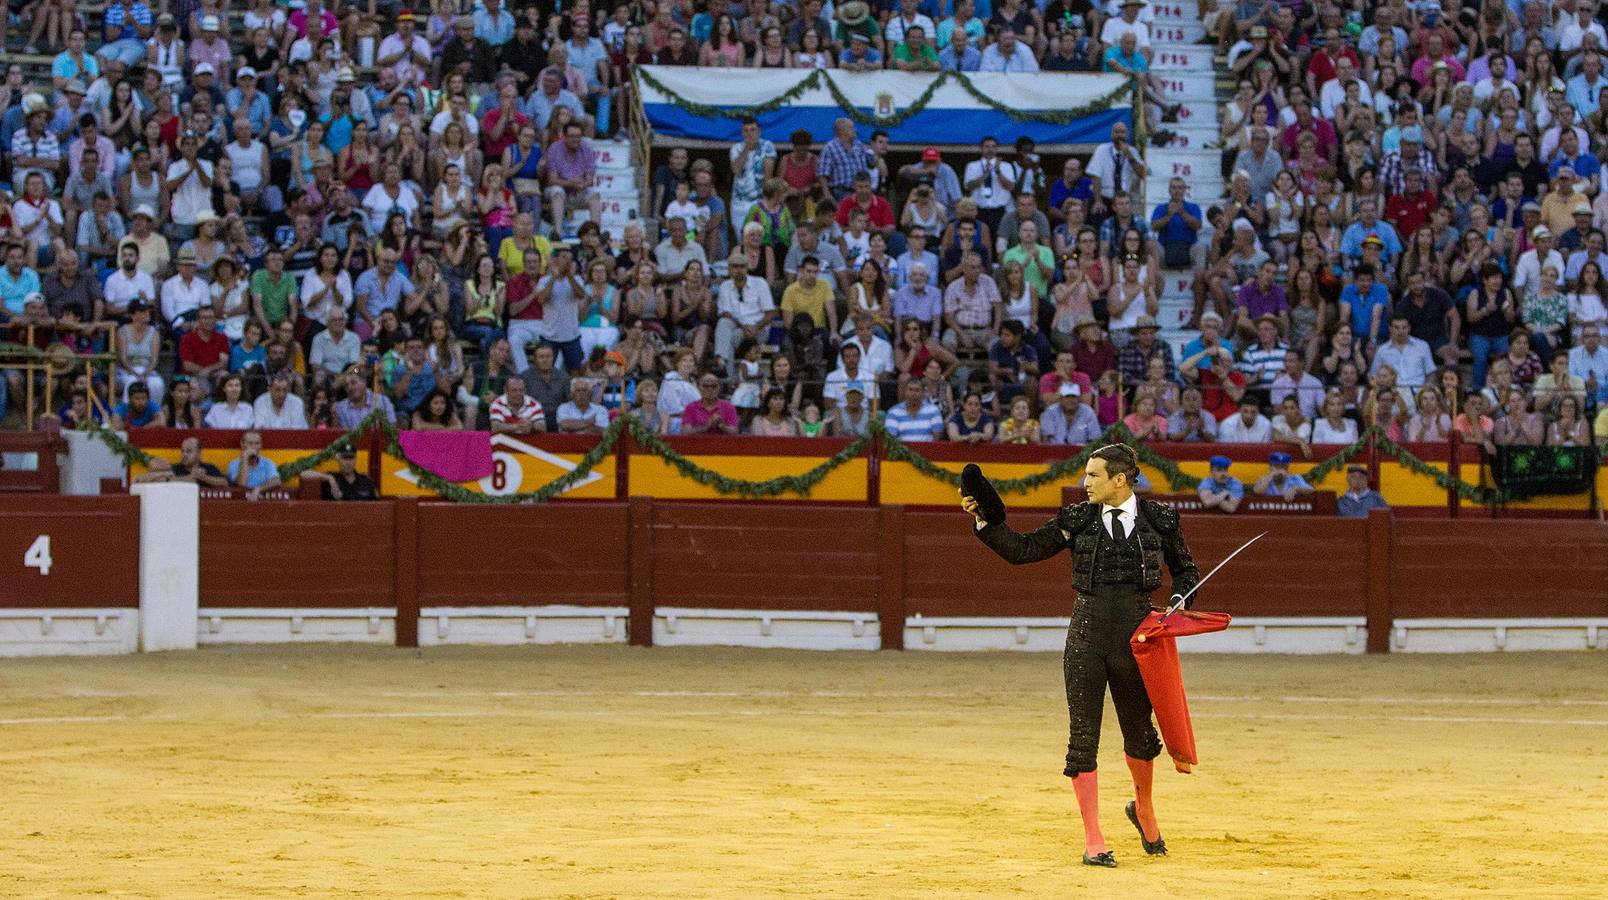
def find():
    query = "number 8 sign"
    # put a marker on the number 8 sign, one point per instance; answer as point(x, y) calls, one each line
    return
point(506, 475)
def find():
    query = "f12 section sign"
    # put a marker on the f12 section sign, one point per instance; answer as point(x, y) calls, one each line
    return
point(69, 552)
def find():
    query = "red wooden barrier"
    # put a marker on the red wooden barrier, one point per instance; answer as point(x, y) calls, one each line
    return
point(1474, 568)
point(69, 552)
point(496, 555)
point(296, 554)
point(891, 561)
point(765, 556)
point(41, 448)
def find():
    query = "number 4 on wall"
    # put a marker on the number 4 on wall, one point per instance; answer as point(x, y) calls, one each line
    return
point(37, 556)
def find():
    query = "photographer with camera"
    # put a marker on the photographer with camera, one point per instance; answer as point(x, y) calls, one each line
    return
point(1279, 480)
point(251, 470)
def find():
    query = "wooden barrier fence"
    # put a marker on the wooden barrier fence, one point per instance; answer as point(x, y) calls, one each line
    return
point(891, 562)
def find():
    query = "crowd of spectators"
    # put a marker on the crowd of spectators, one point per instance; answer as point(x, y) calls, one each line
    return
point(266, 233)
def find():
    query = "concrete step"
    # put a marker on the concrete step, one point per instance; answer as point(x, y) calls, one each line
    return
point(617, 184)
point(1176, 282)
point(1199, 113)
point(1188, 87)
point(1174, 312)
point(1176, 10)
point(1182, 57)
point(1189, 164)
point(612, 156)
point(1186, 137)
point(620, 210)
point(1178, 31)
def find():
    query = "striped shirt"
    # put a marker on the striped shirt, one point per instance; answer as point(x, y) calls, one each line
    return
point(502, 411)
point(117, 16)
point(915, 426)
point(1263, 364)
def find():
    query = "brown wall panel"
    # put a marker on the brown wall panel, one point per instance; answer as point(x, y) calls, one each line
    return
point(295, 554)
point(494, 555)
point(948, 571)
point(724, 556)
point(94, 552)
point(1303, 567)
point(1474, 568)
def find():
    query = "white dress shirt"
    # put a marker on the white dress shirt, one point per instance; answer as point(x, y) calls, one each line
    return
point(292, 415)
point(747, 306)
point(1127, 513)
point(180, 298)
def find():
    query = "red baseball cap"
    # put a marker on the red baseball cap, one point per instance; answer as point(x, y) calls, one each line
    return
point(929, 155)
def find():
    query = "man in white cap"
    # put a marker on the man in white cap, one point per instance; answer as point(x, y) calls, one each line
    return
point(244, 99)
point(1070, 420)
point(211, 47)
point(1527, 273)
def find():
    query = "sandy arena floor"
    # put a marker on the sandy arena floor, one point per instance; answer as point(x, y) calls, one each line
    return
point(614, 772)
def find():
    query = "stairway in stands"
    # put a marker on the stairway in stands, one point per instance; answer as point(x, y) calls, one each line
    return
point(616, 185)
point(1187, 73)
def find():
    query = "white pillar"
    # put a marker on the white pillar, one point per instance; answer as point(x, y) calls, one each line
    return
point(170, 565)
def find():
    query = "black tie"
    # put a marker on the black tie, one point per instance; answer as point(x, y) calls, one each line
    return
point(1117, 534)
point(1116, 172)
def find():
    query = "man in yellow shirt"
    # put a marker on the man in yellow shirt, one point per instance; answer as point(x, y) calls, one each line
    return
point(809, 294)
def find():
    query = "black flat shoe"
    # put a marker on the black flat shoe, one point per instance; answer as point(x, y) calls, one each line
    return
point(1105, 860)
point(1157, 847)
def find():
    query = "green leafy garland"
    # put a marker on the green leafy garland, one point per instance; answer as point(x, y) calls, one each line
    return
point(10, 349)
point(460, 494)
point(815, 78)
point(1471, 492)
point(1331, 465)
point(806, 84)
point(122, 449)
point(804, 482)
point(1069, 468)
point(1062, 117)
point(771, 487)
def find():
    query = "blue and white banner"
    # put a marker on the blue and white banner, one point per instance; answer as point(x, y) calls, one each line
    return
point(953, 115)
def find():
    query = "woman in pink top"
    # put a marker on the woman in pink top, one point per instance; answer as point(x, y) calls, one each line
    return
point(775, 421)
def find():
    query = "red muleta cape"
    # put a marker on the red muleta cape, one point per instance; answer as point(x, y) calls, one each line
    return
point(1155, 648)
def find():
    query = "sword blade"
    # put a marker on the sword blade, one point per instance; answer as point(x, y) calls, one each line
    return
point(1179, 603)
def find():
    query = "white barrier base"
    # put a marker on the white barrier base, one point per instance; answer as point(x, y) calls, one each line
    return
point(367, 625)
point(68, 632)
point(1338, 634)
point(552, 624)
point(1486, 635)
point(680, 627)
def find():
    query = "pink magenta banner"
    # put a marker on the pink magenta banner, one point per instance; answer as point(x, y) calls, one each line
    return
point(454, 455)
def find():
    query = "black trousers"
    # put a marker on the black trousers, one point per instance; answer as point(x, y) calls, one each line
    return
point(1098, 654)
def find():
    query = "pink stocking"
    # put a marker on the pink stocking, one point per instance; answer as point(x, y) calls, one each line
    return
point(1142, 770)
point(1087, 787)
